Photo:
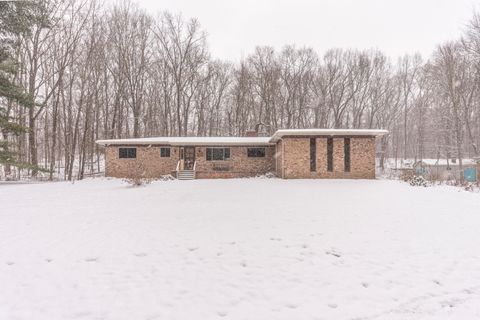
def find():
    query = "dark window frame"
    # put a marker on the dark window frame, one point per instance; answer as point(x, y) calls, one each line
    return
point(164, 152)
point(256, 152)
point(313, 154)
point(217, 154)
point(347, 154)
point(127, 153)
point(330, 154)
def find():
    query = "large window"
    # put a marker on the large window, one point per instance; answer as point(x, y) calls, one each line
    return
point(165, 152)
point(346, 151)
point(218, 154)
point(256, 152)
point(330, 154)
point(127, 152)
point(313, 154)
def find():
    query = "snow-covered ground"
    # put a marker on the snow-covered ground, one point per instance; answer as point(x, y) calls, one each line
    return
point(238, 249)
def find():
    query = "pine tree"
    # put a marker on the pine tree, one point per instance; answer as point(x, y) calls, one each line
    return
point(15, 18)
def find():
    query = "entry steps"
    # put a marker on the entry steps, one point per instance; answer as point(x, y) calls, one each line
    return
point(186, 174)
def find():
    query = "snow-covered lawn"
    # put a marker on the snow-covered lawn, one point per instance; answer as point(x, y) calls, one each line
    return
point(238, 249)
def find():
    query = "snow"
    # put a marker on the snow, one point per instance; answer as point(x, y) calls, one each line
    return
point(409, 163)
point(444, 162)
point(327, 132)
point(199, 141)
point(190, 141)
point(238, 249)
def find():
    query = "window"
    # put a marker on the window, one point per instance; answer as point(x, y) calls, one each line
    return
point(313, 154)
point(218, 154)
point(330, 154)
point(165, 152)
point(256, 152)
point(127, 152)
point(346, 151)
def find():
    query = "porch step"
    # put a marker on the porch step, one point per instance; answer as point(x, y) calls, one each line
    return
point(186, 174)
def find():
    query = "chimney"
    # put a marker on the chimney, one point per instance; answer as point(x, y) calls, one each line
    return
point(251, 133)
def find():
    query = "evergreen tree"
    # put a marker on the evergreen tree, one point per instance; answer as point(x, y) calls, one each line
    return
point(15, 18)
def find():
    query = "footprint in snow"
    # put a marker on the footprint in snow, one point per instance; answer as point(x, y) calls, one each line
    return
point(141, 254)
point(333, 305)
point(365, 284)
point(333, 253)
point(91, 259)
point(10, 263)
point(291, 305)
point(192, 248)
point(222, 313)
point(49, 260)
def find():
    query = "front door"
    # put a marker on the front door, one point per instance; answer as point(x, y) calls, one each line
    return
point(189, 158)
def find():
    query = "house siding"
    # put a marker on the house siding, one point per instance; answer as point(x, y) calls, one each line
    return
point(296, 158)
point(239, 165)
point(149, 163)
point(289, 158)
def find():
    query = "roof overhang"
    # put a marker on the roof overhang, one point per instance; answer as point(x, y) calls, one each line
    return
point(242, 141)
point(191, 141)
point(327, 132)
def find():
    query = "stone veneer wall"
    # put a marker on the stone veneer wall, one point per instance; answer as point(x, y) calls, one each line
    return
point(296, 158)
point(149, 163)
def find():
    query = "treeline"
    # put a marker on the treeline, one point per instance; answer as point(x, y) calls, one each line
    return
point(101, 72)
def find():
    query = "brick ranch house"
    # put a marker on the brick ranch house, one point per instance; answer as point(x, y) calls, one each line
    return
point(291, 154)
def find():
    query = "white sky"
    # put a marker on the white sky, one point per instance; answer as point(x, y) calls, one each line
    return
point(393, 26)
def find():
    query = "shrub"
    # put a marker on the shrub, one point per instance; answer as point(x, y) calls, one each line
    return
point(139, 176)
point(137, 181)
point(418, 181)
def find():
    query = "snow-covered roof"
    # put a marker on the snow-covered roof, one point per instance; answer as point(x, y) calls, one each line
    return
point(410, 163)
point(444, 162)
point(239, 141)
point(192, 141)
point(327, 132)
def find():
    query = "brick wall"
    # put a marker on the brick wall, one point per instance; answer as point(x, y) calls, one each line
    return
point(239, 164)
point(290, 158)
point(296, 158)
point(149, 163)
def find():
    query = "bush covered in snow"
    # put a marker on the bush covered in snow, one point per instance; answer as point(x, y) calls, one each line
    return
point(137, 181)
point(268, 175)
point(167, 177)
point(418, 181)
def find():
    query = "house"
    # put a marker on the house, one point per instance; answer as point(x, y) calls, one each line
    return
point(446, 169)
point(292, 154)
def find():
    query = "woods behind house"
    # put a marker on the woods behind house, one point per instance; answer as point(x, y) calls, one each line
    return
point(97, 71)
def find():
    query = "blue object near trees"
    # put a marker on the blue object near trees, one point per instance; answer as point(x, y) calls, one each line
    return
point(420, 171)
point(470, 174)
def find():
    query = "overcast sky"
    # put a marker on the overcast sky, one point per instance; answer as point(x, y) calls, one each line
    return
point(393, 26)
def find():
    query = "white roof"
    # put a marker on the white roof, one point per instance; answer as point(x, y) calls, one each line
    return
point(239, 141)
point(189, 141)
point(327, 132)
point(443, 162)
